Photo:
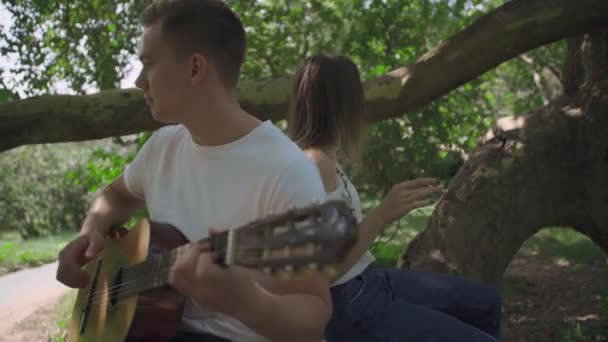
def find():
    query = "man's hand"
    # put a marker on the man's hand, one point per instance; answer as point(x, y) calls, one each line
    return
point(85, 247)
point(113, 206)
point(196, 275)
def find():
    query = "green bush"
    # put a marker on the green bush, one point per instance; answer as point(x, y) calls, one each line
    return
point(34, 199)
point(45, 189)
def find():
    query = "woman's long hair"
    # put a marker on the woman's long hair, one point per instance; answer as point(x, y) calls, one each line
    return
point(326, 107)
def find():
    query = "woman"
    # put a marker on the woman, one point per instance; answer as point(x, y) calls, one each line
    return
point(372, 303)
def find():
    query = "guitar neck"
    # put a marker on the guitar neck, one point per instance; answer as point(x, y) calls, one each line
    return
point(321, 234)
point(154, 271)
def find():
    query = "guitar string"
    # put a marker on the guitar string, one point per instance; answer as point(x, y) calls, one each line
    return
point(139, 278)
point(126, 287)
point(103, 295)
point(136, 282)
point(172, 255)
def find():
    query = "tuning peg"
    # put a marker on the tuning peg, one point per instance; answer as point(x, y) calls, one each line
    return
point(309, 269)
point(330, 271)
point(285, 273)
point(265, 254)
point(311, 248)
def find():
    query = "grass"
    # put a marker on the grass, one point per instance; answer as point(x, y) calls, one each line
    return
point(558, 243)
point(564, 244)
point(575, 332)
point(388, 248)
point(16, 253)
point(63, 311)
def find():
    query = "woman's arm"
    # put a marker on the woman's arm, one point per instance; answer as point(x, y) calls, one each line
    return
point(401, 199)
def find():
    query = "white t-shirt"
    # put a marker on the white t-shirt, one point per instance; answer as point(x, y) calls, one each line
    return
point(195, 187)
point(347, 192)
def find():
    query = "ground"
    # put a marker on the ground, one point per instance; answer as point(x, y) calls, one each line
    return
point(547, 301)
point(543, 301)
point(41, 326)
point(554, 290)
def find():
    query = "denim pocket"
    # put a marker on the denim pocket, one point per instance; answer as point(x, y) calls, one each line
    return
point(356, 289)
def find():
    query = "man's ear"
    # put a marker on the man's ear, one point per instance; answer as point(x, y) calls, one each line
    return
point(198, 67)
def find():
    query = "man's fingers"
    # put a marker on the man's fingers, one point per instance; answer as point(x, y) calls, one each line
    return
point(205, 265)
point(95, 246)
point(187, 261)
point(75, 249)
point(71, 260)
point(71, 274)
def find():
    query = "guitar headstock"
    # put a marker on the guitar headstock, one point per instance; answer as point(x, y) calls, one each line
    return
point(300, 240)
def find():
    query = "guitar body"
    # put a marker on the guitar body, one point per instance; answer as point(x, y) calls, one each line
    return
point(129, 299)
point(150, 316)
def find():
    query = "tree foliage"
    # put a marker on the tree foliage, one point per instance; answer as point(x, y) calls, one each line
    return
point(91, 45)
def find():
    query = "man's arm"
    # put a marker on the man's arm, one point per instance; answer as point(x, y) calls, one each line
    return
point(113, 206)
point(118, 201)
point(299, 308)
point(289, 310)
point(296, 309)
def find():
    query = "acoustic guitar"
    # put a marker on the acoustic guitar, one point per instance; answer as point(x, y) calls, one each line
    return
point(129, 298)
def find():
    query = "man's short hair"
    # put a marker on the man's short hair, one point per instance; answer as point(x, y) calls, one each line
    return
point(206, 26)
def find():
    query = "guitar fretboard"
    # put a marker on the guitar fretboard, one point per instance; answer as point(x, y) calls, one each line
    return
point(154, 271)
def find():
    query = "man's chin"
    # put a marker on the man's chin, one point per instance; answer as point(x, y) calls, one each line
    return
point(159, 117)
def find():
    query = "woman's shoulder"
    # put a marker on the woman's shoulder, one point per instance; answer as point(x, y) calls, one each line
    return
point(327, 167)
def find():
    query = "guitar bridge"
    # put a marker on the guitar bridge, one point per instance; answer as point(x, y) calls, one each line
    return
point(116, 286)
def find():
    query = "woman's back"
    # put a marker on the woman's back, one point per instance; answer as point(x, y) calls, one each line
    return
point(338, 186)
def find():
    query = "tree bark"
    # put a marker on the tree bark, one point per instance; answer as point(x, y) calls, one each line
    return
point(551, 170)
point(498, 36)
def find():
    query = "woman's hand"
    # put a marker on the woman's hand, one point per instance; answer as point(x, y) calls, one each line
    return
point(407, 196)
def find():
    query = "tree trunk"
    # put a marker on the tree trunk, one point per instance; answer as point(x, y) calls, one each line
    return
point(551, 170)
point(500, 35)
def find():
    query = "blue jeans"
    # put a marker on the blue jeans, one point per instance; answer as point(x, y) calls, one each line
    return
point(383, 304)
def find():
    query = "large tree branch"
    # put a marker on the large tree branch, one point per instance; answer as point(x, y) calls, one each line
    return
point(546, 168)
point(514, 28)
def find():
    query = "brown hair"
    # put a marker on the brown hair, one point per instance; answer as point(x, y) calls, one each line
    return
point(326, 107)
point(206, 26)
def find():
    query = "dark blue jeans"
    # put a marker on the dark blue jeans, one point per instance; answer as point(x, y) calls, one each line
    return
point(383, 304)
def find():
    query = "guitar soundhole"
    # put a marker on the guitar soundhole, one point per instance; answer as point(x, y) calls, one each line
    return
point(116, 285)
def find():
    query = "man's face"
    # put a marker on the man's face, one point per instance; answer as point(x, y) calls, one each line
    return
point(165, 80)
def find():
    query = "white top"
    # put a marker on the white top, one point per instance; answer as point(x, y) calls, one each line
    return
point(195, 187)
point(346, 191)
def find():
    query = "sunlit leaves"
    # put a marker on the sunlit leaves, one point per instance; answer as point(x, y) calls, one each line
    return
point(89, 43)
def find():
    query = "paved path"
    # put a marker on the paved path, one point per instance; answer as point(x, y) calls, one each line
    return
point(25, 291)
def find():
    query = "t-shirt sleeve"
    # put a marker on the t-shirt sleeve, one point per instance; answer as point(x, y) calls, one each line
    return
point(134, 173)
point(298, 185)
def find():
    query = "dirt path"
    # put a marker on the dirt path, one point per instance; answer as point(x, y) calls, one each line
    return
point(24, 292)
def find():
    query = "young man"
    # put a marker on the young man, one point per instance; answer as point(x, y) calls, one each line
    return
point(218, 167)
